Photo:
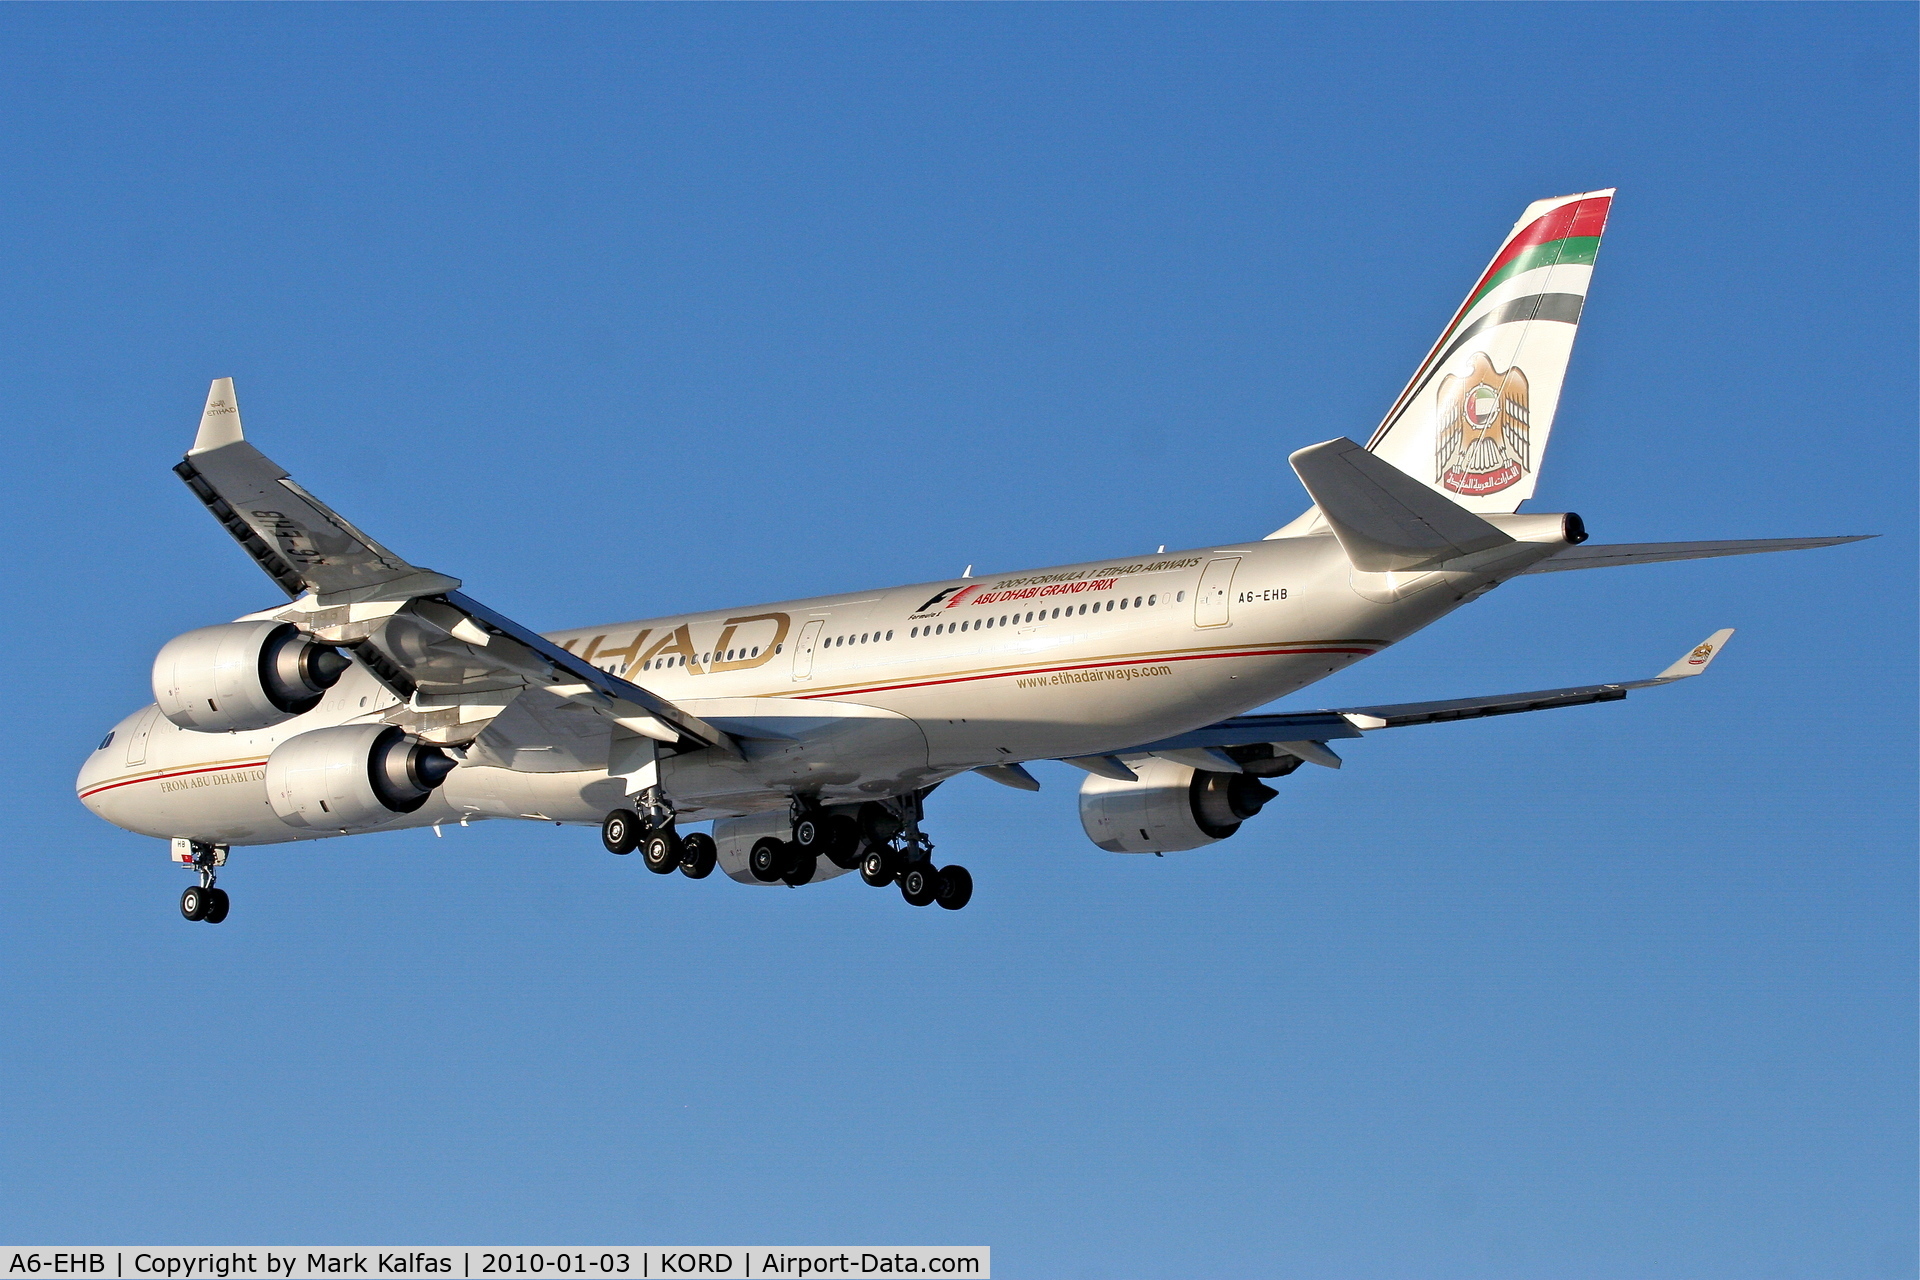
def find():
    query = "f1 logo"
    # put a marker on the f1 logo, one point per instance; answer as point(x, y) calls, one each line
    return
point(943, 596)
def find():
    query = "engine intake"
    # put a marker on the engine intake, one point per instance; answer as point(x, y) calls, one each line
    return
point(352, 776)
point(1171, 807)
point(242, 675)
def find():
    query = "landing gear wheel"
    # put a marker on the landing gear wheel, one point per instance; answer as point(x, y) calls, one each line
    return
point(800, 869)
point(876, 867)
point(194, 903)
point(620, 832)
point(810, 834)
point(661, 851)
point(767, 859)
point(920, 884)
point(698, 854)
point(956, 887)
point(216, 906)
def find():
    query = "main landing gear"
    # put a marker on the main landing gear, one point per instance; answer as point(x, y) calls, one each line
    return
point(895, 851)
point(203, 901)
point(881, 839)
point(661, 847)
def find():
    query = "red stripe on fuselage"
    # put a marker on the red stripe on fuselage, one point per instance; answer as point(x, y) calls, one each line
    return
point(176, 773)
point(1075, 666)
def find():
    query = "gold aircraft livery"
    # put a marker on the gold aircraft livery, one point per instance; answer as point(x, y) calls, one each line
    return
point(808, 733)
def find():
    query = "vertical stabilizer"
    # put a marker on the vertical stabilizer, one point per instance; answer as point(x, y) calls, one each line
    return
point(1474, 419)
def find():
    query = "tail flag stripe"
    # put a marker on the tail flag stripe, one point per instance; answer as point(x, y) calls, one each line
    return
point(1569, 234)
point(1474, 419)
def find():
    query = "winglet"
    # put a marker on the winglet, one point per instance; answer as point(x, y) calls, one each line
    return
point(220, 420)
point(1697, 659)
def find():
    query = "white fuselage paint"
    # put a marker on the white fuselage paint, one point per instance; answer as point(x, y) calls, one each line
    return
point(999, 680)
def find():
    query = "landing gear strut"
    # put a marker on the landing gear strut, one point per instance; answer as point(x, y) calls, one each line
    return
point(203, 901)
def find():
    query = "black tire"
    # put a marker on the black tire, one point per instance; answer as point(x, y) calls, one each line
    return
point(800, 869)
point(661, 851)
point(876, 867)
point(194, 903)
point(810, 834)
point(920, 884)
point(620, 831)
point(217, 905)
point(698, 854)
point(842, 842)
point(956, 887)
point(767, 859)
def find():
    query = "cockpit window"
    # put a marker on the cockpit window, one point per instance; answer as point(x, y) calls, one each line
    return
point(105, 741)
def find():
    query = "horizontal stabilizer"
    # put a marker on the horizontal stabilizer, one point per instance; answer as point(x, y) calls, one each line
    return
point(1604, 557)
point(1386, 520)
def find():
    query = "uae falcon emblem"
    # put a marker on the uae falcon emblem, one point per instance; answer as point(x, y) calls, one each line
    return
point(1480, 438)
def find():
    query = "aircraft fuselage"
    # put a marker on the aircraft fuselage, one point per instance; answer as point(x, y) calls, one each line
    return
point(910, 684)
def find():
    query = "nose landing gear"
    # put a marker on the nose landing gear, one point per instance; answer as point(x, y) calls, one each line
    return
point(203, 901)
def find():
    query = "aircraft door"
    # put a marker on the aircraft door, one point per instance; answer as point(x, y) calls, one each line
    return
point(137, 740)
point(803, 651)
point(1216, 589)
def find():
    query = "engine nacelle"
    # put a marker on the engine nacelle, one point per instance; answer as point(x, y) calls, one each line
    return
point(1171, 807)
point(352, 776)
point(242, 675)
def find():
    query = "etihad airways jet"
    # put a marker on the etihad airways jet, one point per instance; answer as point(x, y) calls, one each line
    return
point(810, 732)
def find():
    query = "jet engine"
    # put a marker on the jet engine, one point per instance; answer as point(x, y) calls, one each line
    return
point(1171, 807)
point(242, 675)
point(352, 776)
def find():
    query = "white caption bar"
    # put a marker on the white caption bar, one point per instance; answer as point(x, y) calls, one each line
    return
point(466, 1262)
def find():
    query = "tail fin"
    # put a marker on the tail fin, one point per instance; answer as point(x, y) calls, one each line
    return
point(1473, 421)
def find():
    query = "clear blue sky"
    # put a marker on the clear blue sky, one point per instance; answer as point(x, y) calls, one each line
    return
point(619, 311)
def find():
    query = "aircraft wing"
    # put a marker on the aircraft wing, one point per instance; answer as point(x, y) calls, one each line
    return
point(455, 663)
point(1306, 733)
point(1589, 556)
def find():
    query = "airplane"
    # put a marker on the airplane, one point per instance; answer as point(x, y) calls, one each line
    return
point(809, 733)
